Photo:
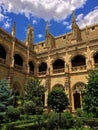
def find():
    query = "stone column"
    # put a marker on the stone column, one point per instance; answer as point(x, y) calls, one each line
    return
point(27, 62)
point(11, 69)
point(67, 80)
point(48, 86)
point(88, 59)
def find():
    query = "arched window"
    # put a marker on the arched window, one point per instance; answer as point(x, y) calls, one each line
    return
point(78, 62)
point(96, 59)
point(42, 68)
point(2, 54)
point(31, 65)
point(58, 66)
point(18, 61)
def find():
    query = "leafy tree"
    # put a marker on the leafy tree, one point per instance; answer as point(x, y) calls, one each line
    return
point(33, 88)
point(34, 92)
point(90, 98)
point(6, 98)
point(57, 100)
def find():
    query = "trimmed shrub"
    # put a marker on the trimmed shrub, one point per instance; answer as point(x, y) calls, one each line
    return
point(2, 116)
point(78, 123)
point(13, 114)
point(64, 121)
point(29, 107)
point(92, 123)
point(39, 110)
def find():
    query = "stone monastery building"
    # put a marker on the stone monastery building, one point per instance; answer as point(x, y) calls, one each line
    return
point(64, 60)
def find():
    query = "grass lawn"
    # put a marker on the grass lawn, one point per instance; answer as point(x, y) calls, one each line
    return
point(80, 129)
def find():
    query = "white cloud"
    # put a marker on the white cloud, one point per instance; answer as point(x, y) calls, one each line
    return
point(7, 24)
point(34, 21)
point(39, 35)
point(46, 9)
point(4, 19)
point(65, 23)
point(79, 17)
point(89, 19)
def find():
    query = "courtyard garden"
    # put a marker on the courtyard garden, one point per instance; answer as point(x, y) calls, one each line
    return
point(27, 112)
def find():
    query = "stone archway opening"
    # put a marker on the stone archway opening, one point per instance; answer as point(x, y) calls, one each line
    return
point(77, 103)
point(42, 68)
point(18, 61)
point(31, 65)
point(96, 59)
point(58, 66)
point(2, 54)
point(78, 60)
point(78, 63)
point(78, 91)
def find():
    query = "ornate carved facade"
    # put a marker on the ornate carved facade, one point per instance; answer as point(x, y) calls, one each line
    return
point(63, 60)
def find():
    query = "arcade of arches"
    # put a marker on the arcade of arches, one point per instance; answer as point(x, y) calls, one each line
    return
point(62, 61)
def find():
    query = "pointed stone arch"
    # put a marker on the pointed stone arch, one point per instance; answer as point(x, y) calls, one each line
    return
point(58, 85)
point(79, 87)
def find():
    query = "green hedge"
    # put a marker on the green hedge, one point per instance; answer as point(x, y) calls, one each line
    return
point(92, 123)
point(27, 126)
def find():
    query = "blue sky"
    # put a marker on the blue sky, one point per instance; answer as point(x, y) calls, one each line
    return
point(37, 12)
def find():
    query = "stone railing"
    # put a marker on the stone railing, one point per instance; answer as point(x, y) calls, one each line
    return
point(18, 67)
point(2, 60)
point(96, 65)
point(79, 68)
point(42, 73)
point(31, 72)
point(58, 70)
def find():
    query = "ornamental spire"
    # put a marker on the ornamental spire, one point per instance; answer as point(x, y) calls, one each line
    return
point(47, 28)
point(13, 29)
point(73, 17)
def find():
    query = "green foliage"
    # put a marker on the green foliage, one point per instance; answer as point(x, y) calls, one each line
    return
point(78, 123)
point(92, 123)
point(13, 114)
point(57, 100)
point(79, 112)
point(6, 98)
point(33, 97)
point(90, 98)
point(33, 88)
point(65, 123)
point(69, 119)
point(29, 107)
point(35, 122)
